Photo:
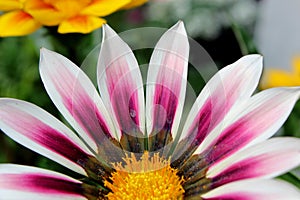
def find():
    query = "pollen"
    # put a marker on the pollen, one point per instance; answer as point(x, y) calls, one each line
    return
point(149, 177)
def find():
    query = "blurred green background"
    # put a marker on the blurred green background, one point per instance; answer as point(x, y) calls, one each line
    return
point(226, 29)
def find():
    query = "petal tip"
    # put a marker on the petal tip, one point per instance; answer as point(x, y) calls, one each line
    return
point(107, 32)
point(179, 27)
point(44, 52)
point(255, 57)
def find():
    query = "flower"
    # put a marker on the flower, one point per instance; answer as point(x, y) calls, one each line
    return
point(79, 16)
point(222, 152)
point(280, 77)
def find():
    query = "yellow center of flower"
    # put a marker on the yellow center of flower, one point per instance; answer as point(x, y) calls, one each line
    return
point(149, 177)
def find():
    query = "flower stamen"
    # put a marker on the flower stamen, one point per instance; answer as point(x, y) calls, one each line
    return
point(149, 177)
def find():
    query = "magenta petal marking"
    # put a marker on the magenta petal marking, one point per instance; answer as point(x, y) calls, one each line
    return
point(123, 96)
point(166, 96)
point(164, 114)
point(245, 130)
point(233, 196)
point(268, 164)
point(58, 143)
point(88, 116)
point(166, 81)
point(40, 184)
point(249, 168)
point(202, 124)
point(82, 107)
point(46, 136)
point(120, 83)
point(231, 140)
point(208, 117)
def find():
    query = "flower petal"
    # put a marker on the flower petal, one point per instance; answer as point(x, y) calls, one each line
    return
point(102, 8)
point(45, 13)
point(17, 23)
point(76, 98)
point(231, 86)
point(22, 182)
point(36, 129)
point(120, 84)
point(255, 121)
point(234, 83)
point(254, 190)
point(80, 24)
point(266, 159)
point(166, 83)
point(10, 5)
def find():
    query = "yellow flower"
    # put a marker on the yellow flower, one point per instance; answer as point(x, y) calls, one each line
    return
point(278, 77)
point(80, 16)
point(16, 22)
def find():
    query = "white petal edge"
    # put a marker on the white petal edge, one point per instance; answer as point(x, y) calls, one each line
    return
point(256, 190)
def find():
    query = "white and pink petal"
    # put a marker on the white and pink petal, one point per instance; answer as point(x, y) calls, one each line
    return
point(120, 83)
point(166, 81)
point(232, 85)
point(254, 190)
point(76, 98)
point(264, 160)
point(19, 182)
point(39, 131)
point(254, 121)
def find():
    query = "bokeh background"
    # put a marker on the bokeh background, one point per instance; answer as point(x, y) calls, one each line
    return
point(226, 29)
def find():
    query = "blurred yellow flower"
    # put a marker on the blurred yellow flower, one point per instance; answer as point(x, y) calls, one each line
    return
point(22, 17)
point(279, 77)
point(16, 21)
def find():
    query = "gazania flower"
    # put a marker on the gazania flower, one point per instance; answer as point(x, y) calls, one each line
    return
point(80, 16)
point(127, 149)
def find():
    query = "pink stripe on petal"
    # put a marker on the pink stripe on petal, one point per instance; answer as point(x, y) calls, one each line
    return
point(164, 113)
point(255, 121)
point(200, 127)
point(251, 168)
point(84, 111)
point(39, 131)
point(120, 83)
point(267, 159)
point(166, 81)
point(76, 98)
point(235, 196)
point(232, 85)
point(40, 184)
point(35, 181)
point(232, 139)
point(124, 101)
